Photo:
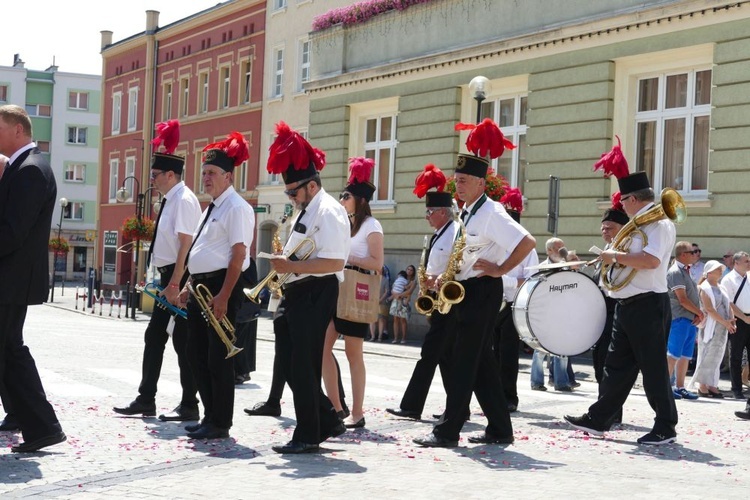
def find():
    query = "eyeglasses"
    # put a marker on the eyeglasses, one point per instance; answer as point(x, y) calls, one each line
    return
point(726, 256)
point(293, 192)
point(430, 211)
point(692, 252)
point(626, 197)
point(696, 250)
point(345, 196)
point(157, 173)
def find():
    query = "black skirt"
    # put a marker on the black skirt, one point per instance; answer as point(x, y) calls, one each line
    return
point(350, 328)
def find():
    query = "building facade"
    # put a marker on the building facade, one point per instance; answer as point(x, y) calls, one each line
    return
point(64, 110)
point(206, 71)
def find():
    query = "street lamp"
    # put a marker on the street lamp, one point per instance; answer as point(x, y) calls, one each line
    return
point(63, 204)
point(479, 87)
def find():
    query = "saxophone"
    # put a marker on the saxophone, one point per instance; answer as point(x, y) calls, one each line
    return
point(425, 303)
point(451, 291)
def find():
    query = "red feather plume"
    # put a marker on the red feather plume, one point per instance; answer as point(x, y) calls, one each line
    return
point(168, 135)
point(513, 200)
point(235, 146)
point(430, 177)
point(290, 148)
point(616, 203)
point(486, 138)
point(613, 162)
point(360, 169)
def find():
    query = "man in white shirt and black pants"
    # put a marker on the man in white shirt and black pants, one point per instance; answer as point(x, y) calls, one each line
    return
point(217, 259)
point(738, 291)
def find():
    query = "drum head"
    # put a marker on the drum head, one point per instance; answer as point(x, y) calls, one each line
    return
point(563, 313)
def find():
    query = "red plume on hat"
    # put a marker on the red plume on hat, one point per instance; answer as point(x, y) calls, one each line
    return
point(290, 148)
point(235, 146)
point(167, 135)
point(430, 177)
point(485, 139)
point(616, 203)
point(613, 162)
point(513, 200)
point(360, 169)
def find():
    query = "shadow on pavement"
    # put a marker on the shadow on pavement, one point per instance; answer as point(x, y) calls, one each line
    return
point(504, 458)
point(318, 465)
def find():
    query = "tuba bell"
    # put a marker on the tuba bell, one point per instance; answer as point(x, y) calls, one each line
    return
point(671, 207)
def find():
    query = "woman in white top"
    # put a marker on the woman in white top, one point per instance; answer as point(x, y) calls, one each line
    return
point(366, 256)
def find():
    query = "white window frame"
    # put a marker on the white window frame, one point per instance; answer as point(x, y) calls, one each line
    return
point(377, 110)
point(4, 91)
point(203, 92)
point(34, 110)
point(166, 112)
point(240, 177)
point(78, 95)
point(185, 96)
point(132, 108)
point(247, 81)
point(114, 175)
point(130, 171)
point(277, 80)
point(225, 75)
point(75, 172)
point(72, 209)
point(279, 5)
point(304, 54)
point(116, 112)
point(80, 135)
point(628, 72)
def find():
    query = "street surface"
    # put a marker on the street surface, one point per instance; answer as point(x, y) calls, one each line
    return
point(89, 364)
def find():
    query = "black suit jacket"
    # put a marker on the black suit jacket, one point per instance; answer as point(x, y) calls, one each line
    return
point(28, 193)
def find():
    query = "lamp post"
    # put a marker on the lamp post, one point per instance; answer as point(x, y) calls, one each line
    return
point(122, 196)
point(479, 87)
point(63, 204)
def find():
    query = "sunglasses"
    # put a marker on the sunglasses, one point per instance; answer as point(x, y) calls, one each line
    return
point(157, 173)
point(345, 196)
point(692, 252)
point(293, 192)
point(626, 197)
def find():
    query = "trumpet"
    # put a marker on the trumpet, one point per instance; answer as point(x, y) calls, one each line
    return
point(160, 300)
point(224, 328)
point(274, 280)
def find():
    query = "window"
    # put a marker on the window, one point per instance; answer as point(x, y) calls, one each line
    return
point(278, 73)
point(373, 135)
point(509, 112)
point(203, 93)
point(304, 63)
point(247, 75)
point(185, 96)
point(279, 4)
point(39, 109)
point(78, 100)
point(166, 113)
point(224, 96)
point(75, 172)
point(130, 172)
point(132, 108)
point(77, 135)
point(79, 259)
point(114, 168)
point(240, 177)
point(43, 146)
point(73, 211)
point(116, 112)
point(3, 93)
point(671, 129)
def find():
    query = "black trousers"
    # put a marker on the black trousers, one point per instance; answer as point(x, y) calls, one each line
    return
point(20, 378)
point(638, 343)
point(738, 341)
point(155, 340)
point(206, 353)
point(601, 347)
point(505, 346)
point(440, 335)
point(247, 339)
point(278, 381)
point(300, 328)
point(473, 366)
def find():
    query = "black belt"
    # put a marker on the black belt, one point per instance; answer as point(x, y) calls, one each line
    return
point(629, 300)
point(302, 281)
point(166, 269)
point(360, 269)
point(205, 276)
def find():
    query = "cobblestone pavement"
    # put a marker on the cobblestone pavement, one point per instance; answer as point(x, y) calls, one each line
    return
point(90, 364)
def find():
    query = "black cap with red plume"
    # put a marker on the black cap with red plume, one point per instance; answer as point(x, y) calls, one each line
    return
point(167, 136)
point(616, 213)
point(293, 157)
point(228, 153)
point(614, 163)
point(485, 139)
point(360, 170)
point(432, 177)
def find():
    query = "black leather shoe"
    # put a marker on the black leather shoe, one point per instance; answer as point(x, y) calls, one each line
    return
point(484, 438)
point(241, 378)
point(136, 408)
point(195, 427)
point(355, 425)
point(181, 414)
point(404, 413)
point(433, 441)
point(441, 416)
point(512, 408)
point(336, 431)
point(38, 444)
point(744, 414)
point(296, 447)
point(9, 425)
point(264, 410)
point(209, 431)
point(586, 424)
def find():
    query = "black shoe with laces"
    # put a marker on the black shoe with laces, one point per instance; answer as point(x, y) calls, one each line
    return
point(586, 424)
point(657, 438)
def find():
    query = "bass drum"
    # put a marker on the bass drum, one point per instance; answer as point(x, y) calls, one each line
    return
point(561, 313)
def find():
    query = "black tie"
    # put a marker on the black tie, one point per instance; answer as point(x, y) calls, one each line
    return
point(429, 249)
point(197, 235)
point(464, 213)
point(156, 228)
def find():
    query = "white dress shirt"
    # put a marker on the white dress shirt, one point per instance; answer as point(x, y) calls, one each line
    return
point(510, 279)
point(180, 214)
point(731, 283)
point(441, 249)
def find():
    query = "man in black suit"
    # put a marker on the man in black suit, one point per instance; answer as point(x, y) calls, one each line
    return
point(27, 199)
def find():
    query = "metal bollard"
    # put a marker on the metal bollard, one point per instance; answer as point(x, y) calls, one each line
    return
point(76, 298)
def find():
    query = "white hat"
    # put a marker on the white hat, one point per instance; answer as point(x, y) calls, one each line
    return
point(711, 265)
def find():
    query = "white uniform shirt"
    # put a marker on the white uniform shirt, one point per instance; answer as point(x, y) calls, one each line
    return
point(491, 234)
point(232, 221)
point(325, 221)
point(510, 279)
point(661, 239)
point(359, 247)
point(731, 283)
point(180, 214)
point(442, 249)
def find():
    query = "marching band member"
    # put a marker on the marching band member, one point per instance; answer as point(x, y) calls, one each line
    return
point(439, 215)
point(310, 294)
point(491, 236)
point(173, 235)
point(642, 316)
point(365, 256)
point(217, 258)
